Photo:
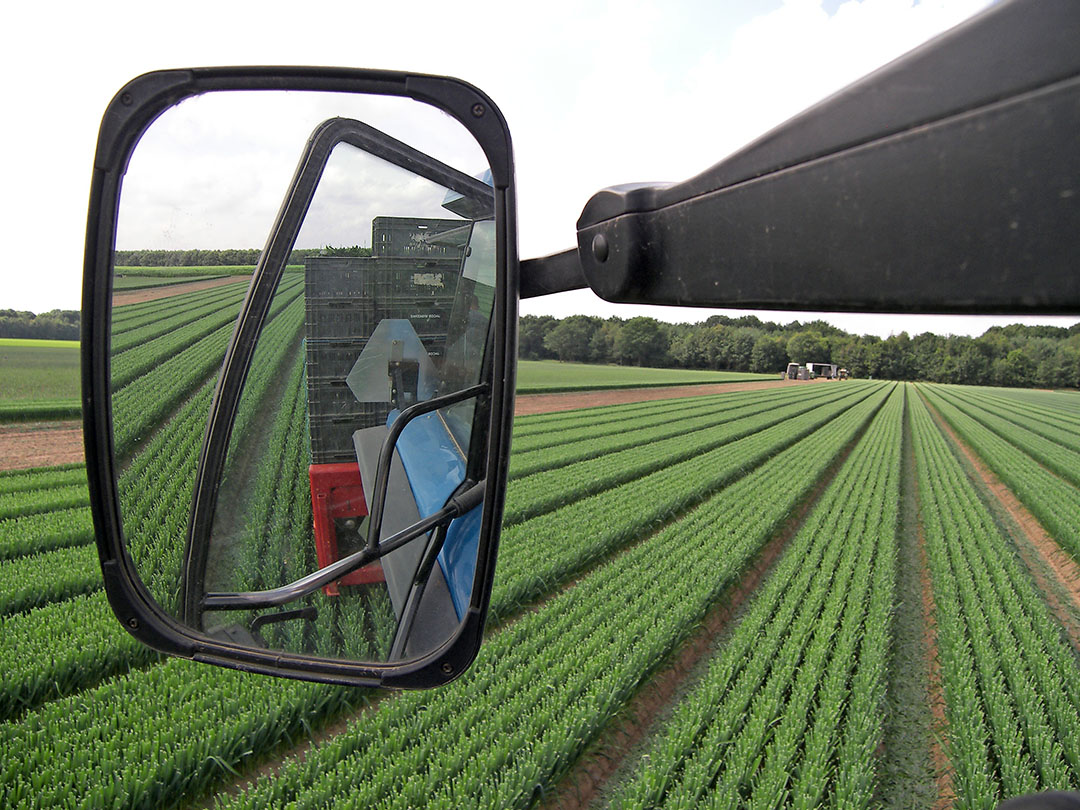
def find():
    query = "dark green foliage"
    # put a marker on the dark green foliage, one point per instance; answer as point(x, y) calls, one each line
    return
point(56, 324)
point(1015, 355)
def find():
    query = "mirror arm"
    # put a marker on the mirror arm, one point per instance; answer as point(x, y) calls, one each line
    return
point(920, 188)
point(559, 272)
point(386, 453)
point(274, 597)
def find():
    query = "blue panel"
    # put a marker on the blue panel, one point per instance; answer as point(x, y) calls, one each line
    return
point(435, 468)
point(458, 557)
point(434, 464)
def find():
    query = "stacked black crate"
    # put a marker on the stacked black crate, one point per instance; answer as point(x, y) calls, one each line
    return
point(411, 274)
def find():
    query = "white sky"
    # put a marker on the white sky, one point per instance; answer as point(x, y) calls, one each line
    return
point(595, 93)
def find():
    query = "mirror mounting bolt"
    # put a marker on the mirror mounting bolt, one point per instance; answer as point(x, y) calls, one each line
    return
point(600, 248)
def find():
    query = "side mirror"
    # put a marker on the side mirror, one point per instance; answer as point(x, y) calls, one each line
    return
point(301, 471)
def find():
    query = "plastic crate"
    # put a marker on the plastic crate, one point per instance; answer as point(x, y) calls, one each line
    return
point(339, 318)
point(331, 435)
point(335, 276)
point(332, 359)
point(413, 236)
point(331, 397)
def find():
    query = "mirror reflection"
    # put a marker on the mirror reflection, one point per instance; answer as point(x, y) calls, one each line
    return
point(348, 508)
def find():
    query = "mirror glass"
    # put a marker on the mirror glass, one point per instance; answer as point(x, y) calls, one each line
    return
point(360, 416)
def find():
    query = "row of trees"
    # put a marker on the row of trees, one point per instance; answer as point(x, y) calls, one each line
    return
point(57, 324)
point(235, 257)
point(1017, 355)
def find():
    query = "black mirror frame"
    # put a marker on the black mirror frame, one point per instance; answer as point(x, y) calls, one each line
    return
point(127, 117)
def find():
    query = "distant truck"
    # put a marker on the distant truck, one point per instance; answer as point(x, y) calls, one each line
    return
point(797, 372)
point(827, 370)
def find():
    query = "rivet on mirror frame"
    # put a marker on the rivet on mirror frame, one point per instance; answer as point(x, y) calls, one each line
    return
point(478, 110)
point(600, 248)
point(133, 623)
point(126, 99)
point(447, 668)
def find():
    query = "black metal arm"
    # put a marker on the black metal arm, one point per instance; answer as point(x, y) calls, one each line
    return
point(947, 181)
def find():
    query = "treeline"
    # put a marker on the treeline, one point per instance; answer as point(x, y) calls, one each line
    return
point(223, 258)
point(1015, 355)
point(57, 324)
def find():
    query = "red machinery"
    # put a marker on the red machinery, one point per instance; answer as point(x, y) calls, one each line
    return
point(337, 492)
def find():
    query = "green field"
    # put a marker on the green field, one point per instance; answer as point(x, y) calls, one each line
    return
point(41, 372)
point(34, 370)
point(184, 272)
point(550, 376)
point(790, 596)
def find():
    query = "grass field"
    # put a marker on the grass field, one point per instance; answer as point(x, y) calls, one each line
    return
point(32, 370)
point(550, 376)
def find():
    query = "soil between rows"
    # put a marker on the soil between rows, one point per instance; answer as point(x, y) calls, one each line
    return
point(40, 444)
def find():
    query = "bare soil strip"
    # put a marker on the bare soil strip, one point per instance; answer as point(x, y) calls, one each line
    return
point(40, 444)
point(942, 765)
point(910, 758)
point(530, 404)
point(1041, 554)
point(935, 692)
point(154, 293)
point(586, 783)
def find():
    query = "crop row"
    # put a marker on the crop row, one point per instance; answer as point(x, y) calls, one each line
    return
point(1053, 501)
point(157, 525)
point(32, 534)
point(36, 501)
point(132, 316)
point(140, 407)
point(547, 549)
point(1044, 419)
point(633, 417)
point(42, 410)
point(565, 483)
point(1051, 453)
point(133, 332)
point(788, 713)
point(164, 468)
point(554, 678)
point(571, 446)
point(1066, 404)
point(43, 479)
point(129, 365)
point(1012, 685)
point(528, 426)
point(29, 582)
